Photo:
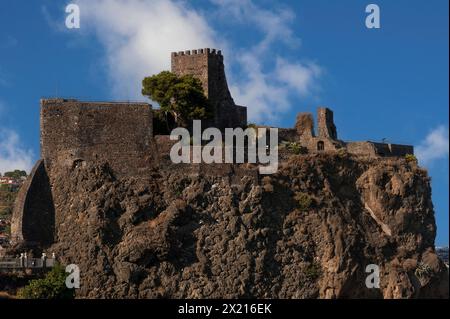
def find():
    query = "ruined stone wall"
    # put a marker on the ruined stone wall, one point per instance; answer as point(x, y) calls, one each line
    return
point(207, 65)
point(361, 148)
point(401, 150)
point(119, 133)
point(373, 149)
point(194, 63)
point(287, 135)
point(326, 140)
point(387, 149)
point(325, 123)
point(33, 220)
point(305, 125)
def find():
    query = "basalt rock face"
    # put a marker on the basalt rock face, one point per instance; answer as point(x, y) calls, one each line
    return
point(308, 231)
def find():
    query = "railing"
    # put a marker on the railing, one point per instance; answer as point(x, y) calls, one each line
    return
point(23, 262)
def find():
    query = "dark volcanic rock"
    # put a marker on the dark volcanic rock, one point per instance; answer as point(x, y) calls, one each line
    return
point(180, 235)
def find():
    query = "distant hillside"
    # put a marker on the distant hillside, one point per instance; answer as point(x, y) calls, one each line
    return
point(7, 198)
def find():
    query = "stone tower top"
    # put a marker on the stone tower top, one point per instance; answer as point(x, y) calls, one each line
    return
point(207, 65)
point(325, 123)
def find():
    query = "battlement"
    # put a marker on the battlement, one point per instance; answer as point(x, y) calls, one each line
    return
point(206, 51)
point(120, 135)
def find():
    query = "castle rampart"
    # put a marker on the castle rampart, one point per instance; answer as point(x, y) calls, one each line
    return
point(374, 149)
point(118, 133)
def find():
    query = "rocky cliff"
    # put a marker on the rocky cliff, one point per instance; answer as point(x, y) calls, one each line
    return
point(307, 231)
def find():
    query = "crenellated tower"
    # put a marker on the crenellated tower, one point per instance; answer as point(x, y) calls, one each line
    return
point(207, 65)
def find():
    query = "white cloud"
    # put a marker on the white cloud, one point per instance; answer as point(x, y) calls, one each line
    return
point(258, 90)
point(12, 154)
point(273, 23)
point(267, 92)
point(298, 76)
point(139, 35)
point(434, 147)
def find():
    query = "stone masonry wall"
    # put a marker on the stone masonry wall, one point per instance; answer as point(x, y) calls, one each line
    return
point(373, 149)
point(194, 63)
point(207, 65)
point(325, 123)
point(119, 133)
point(33, 219)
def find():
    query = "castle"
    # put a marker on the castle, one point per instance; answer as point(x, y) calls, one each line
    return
point(122, 134)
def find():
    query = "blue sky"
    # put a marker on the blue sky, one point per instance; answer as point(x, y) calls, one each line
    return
point(282, 57)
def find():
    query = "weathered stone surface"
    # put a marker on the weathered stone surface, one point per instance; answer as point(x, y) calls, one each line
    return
point(204, 235)
point(325, 123)
point(305, 125)
point(73, 132)
point(139, 226)
point(207, 65)
point(33, 219)
point(326, 139)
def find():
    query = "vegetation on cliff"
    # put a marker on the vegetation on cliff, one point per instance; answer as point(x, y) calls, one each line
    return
point(52, 286)
point(180, 97)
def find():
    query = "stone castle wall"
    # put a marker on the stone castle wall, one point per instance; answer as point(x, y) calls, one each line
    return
point(304, 132)
point(118, 133)
point(33, 219)
point(207, 65)
point(326, 140)
point(121, 134)
point(373, 149)
point(325, 123)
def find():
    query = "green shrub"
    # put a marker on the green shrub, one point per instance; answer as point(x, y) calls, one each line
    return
point(180, 96)
point(52, 286)
point(304, 201)
point(252, 125)
point(410, 158)
point(313, 271)
point(342, 152)
point(15, 174)
point(296, 148)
